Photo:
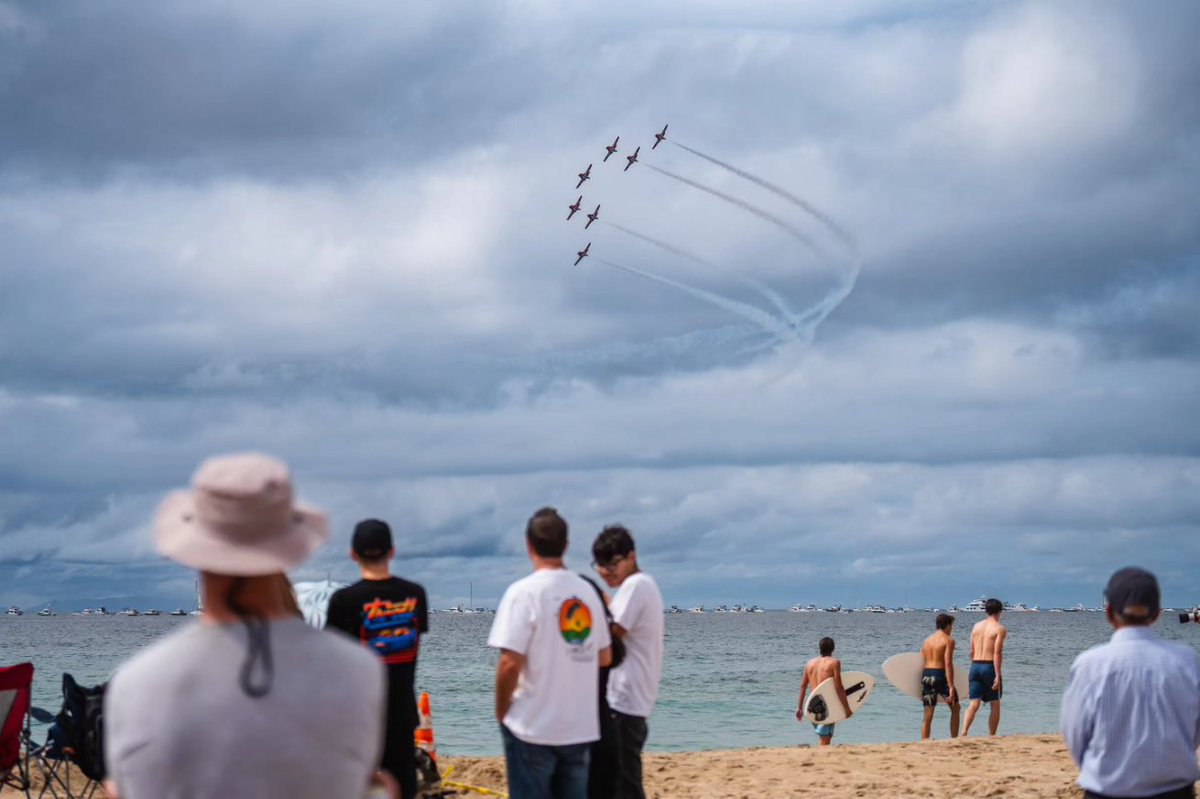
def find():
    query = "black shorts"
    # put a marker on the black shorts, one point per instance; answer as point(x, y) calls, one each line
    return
point(934, 685)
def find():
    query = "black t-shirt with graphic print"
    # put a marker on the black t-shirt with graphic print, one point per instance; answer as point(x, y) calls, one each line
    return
point(386, 616)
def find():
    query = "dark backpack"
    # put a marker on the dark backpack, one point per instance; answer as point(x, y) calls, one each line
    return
point(81, 722)
point(618, 646)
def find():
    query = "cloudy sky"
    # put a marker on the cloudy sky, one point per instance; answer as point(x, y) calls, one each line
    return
point(954, 350)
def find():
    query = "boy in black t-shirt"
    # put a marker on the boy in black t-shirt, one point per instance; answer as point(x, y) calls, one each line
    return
point(387, 615)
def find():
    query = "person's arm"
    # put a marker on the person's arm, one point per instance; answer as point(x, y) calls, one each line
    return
point(508, 669)
point(998, 656)
point(971, 647)
point(841, 689)
point(803, 691)
point(950, 671)
point(1075, 717)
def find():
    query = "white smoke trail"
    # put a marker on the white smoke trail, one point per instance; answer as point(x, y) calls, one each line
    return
point(766, 321)
point(772, 296)
point(846, 237)
point(754, 209)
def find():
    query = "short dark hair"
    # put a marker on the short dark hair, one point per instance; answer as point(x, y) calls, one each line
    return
point(826, 646)
point(943, 620)
point(614, 541)
point(546, 532)
point(993, 606)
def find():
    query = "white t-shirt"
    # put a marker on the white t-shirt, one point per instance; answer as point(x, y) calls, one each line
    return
point(638, 607)
point(556, 620)
point(177, 725)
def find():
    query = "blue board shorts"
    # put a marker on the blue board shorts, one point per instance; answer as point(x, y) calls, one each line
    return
point(980, 680)
point(934, 685)
point(823, 730)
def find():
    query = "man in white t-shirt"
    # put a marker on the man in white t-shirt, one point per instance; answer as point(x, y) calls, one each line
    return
point(637, 610)
point(553, 639)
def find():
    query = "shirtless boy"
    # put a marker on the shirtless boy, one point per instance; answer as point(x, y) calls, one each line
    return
point(987, 650)
point(816, 672)
point(937, 681)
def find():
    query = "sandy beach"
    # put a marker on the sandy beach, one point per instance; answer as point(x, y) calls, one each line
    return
point(1016, 766)
point(1033, 766)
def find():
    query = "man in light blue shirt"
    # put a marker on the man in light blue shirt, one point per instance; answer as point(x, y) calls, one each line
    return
point(1131, 710)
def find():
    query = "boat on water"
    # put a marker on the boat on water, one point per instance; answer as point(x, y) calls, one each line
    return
point(697, 609)
point(46, 611)
point(1020, 607)
point(129, 612)
point(178, 612)
point(97, 611)
point(151, 612)
point(834, 609)
point(13, 610)
point(313, 599)
point(673, 609)
point(756, 609)
point(874, 609)
point(722, 609)
point(798, 608)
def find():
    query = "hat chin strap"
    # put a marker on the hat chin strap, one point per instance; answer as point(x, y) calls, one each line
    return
point(258, 652)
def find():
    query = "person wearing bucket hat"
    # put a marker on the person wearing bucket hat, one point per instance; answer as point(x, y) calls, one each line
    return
point(248, 701)
point(387, 615)
point(1131, 710)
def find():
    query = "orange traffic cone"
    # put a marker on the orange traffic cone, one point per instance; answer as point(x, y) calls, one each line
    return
point(427, 768)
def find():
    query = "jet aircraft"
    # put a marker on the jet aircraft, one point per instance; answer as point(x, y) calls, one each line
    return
point(592, 217)
point(632, 159)
point(584, 175)
point(612, 148)
point(574, 208)
point(583, 253)
point(658, 137)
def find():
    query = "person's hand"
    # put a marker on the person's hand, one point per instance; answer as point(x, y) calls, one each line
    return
point(953, 698)
point(800, 714)
point(384, 786)
point(996, 684)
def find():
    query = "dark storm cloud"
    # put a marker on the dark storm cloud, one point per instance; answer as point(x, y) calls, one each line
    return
point(337, 234)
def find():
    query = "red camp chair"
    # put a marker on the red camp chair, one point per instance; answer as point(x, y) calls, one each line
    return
point(15, 685)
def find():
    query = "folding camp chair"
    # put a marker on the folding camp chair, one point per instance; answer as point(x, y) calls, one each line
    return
point(16, 682)
point(76, 738)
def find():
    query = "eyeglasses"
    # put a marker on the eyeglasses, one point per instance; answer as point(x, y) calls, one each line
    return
point(610, 565)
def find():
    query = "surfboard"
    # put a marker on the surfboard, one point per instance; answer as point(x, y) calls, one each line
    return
point(904, 672)
point(824, 707)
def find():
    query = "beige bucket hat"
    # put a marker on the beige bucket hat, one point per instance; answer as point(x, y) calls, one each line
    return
point(239, 519)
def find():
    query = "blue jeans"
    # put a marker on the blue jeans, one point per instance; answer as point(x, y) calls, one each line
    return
point(536, 771)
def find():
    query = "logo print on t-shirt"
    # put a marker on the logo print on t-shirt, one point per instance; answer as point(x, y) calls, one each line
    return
point(389, 628)
point(574, 621)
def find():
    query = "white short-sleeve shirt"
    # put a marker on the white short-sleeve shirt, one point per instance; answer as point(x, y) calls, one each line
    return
point(556, 620)
point(638, 608)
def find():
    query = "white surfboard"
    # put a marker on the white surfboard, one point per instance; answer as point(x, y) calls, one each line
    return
point(904, 672)
point(824, 707)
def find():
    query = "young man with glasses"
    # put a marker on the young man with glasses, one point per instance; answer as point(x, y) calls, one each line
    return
point(637, 610)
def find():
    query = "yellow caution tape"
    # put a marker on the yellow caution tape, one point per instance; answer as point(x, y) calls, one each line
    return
point(475, 788)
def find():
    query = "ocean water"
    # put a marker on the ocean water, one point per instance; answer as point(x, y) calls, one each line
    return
point(729, 680)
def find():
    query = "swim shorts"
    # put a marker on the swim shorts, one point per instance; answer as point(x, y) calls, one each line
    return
point(982, 676)
point(933, 685)
point(823, 730)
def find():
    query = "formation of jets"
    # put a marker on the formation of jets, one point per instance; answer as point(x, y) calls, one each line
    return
point(586, 174)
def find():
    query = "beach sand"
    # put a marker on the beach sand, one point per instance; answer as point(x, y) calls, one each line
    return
point(1019, 766)
point(1008, 766)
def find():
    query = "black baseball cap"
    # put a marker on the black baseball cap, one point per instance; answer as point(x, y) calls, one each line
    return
point(372, 539)
point(1133, 594)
